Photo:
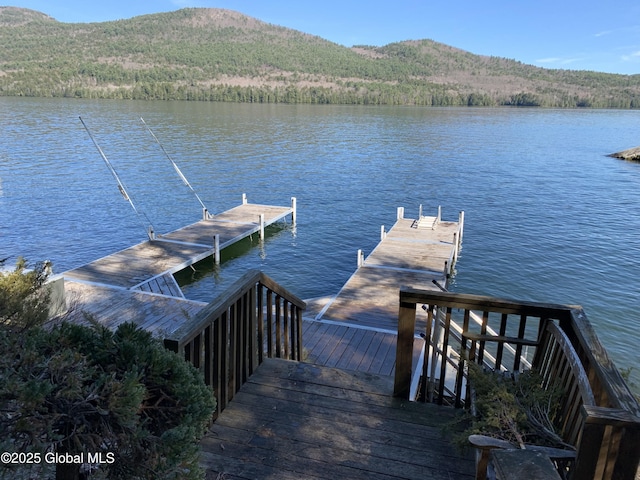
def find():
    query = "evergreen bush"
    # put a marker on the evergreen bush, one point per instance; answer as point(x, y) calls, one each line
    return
point(74, 389)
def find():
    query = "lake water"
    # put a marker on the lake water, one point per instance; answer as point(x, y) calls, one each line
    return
point(548, 216)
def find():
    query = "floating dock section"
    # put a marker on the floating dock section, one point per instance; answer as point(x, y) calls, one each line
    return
point(137, 284)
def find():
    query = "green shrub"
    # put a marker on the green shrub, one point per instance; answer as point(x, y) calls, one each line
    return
point(85, 389)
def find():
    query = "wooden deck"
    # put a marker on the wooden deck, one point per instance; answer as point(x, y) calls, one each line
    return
point(137, 284)
point(357, 348)
point(299, 421)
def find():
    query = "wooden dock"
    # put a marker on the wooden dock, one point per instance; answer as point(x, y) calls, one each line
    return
point(333, 414)
point(137, 284)
point(415, 252)
point(294, 420)
point(357, 329)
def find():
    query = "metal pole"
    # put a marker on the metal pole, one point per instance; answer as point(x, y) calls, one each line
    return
point(205, 210)
point(123, 191)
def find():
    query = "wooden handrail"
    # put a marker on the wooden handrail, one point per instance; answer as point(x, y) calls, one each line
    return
point(609, 440)
point(227, 340)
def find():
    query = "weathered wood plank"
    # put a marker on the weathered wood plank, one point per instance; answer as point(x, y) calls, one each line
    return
point(317, 422)
point(111, 307)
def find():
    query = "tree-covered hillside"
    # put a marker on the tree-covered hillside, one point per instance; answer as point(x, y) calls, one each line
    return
point(221, 55)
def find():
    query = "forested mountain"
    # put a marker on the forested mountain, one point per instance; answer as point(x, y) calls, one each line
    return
point(221, 55)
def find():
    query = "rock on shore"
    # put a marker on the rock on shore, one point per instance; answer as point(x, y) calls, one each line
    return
point(630, 154)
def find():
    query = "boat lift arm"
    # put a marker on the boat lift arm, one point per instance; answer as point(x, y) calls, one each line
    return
point(149, 229)
point(205, 210)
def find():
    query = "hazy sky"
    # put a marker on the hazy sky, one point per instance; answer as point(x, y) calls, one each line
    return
point(584, 35)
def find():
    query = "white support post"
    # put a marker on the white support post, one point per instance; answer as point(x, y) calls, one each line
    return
point(383, 234)
point(360, 258)
point(420, 212)
point(205, 214)
point(439, 213)
point(460, 226)
point(455, 247)
point(244, 198)
point(216, 249)
point(294, 210)
point(261, 225)
point(400, 213)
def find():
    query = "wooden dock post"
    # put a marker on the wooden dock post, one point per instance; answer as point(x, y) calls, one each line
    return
point(461, 226)
point(360, 260)
point(404, 349)
point(400, 213)
point(244, 198)
point(216, 248)
point(383, 233)
point(261, 225)
point(294, 210)
point(420, 213)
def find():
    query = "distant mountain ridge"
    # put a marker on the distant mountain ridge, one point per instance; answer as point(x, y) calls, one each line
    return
point(222, 55)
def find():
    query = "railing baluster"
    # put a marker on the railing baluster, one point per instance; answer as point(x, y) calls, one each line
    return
point(445, 348)
point(241, 344)
point(483, 331)
point(278, 328)
point(253, 329)
point(426, 389)
point(521, 330)
point(232, 356)
point(285, 326)
point(270, 323)
point(500, 348)
point(299, 333)
point(260, 320)
point(220, 361)
point(463, 359)
point(207, 353)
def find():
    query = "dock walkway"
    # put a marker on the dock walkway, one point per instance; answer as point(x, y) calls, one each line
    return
point(357, 328)
point(137, 284)
point(413, 253)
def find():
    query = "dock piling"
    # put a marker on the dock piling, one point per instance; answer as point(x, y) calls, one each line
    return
point(294, 210)
point(216, 248)
point(261, 220)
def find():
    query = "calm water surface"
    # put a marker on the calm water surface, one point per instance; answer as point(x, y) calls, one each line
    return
point(548, 216)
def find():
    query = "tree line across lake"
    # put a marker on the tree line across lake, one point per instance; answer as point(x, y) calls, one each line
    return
point(219, 55)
